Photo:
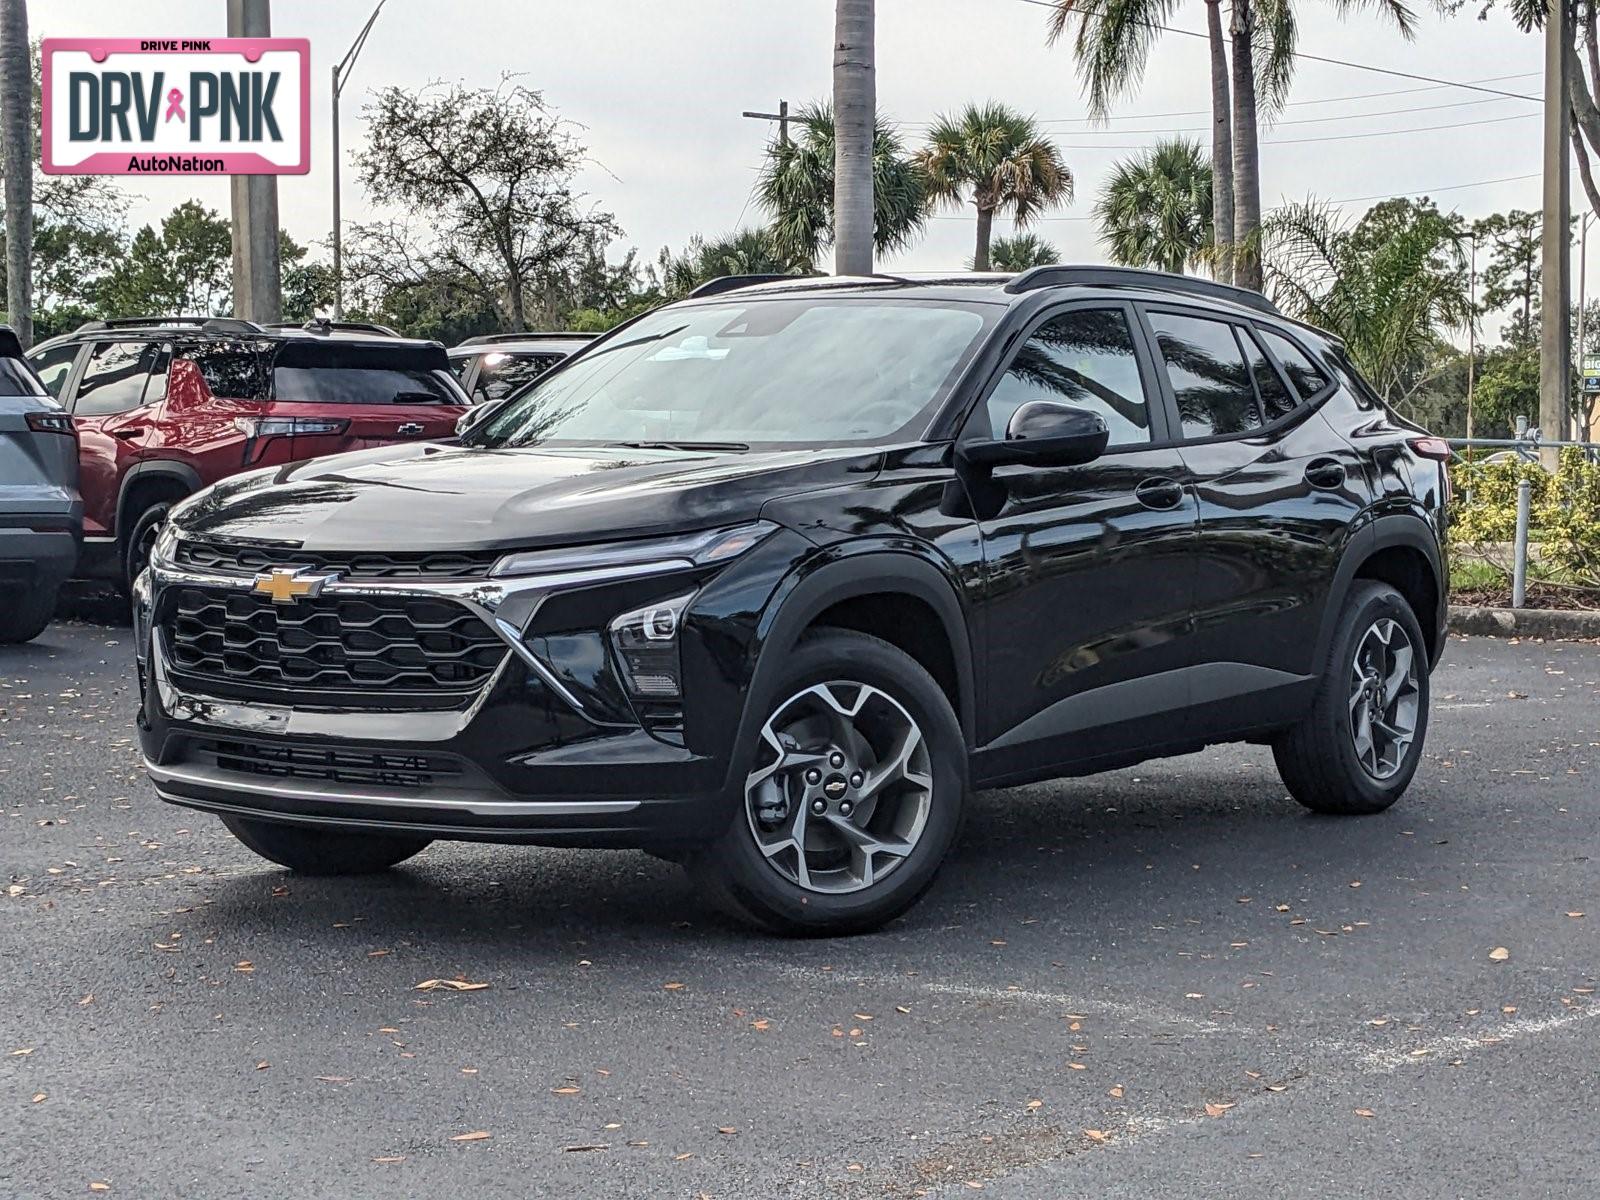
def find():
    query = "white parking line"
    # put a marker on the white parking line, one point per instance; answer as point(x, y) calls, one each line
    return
point(1459, 1045)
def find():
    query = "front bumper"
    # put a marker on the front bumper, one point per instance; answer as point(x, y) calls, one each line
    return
point(528, 757)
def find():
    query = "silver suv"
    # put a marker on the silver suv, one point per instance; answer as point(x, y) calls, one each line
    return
point(41, 513)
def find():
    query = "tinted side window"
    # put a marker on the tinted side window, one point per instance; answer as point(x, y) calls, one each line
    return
point(362, 385)
point(1276, 398)
point(502, 373)
point(17, 380)
point(1308, 379)
point(235, 370)
point(54, 366)
point(114, 378)
point(1084, 358)
point(459, 365)
point(1208, 375)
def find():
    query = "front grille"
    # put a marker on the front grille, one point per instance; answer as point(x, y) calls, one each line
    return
point(318, 764)
point(221, 559)
point(405, 646)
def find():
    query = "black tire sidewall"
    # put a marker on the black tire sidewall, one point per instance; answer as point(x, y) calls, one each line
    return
point(153, 515)
point(29, 614)
point(743, 873)
point(1374, 602)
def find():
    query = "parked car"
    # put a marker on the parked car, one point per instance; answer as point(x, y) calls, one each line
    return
point(495, 365)
point(165, 406)
point(766, 580)
point(41, 513)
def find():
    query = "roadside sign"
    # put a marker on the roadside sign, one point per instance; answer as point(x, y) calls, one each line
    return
point(1591, 372)
point(173, 106)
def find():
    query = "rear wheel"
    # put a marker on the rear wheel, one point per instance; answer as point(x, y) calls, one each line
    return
point(312, 851)
point(141, 540)
point(26, 613)
point(1359, 746)
point(853, 795)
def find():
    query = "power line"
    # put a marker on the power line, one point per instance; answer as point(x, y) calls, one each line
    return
point(1321, 58)
point(1454, 187)
point(1332, 137)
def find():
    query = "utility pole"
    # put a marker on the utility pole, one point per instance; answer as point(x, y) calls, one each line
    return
point(781, 117)
point(855, 109)
point(341, 73)
point(257, 284)
point(1472, 329)
point(1575, 434)
point(1555, 333)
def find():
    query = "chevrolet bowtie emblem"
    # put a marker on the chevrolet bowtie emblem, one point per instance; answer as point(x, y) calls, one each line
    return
point(285, 586)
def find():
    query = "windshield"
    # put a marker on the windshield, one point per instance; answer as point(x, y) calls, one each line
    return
point(784, 372)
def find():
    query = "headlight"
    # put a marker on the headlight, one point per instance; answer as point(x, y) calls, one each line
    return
point(142, 601)
point(646, 643)
point(646, 556)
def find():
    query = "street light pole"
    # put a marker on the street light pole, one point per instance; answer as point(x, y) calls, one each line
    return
point(1555, 334)
point(341, 72)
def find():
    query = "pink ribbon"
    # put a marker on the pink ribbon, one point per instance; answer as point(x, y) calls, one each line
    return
point(175, 105)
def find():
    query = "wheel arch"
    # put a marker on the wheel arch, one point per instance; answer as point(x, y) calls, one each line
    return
point(1403, 552)
point(152, 480)
point(904, 597)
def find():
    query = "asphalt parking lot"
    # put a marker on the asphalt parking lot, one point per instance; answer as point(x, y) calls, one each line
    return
point(1167, 978)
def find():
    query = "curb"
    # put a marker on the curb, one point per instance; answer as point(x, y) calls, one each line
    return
point(1555, 623)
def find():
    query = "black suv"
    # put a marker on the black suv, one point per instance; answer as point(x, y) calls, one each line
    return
point(766, 580)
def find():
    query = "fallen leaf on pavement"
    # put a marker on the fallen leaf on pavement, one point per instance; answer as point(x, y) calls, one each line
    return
point(1035, 1105)
point(582, 1149)
point(728, 1130)
point(390, 1158)
point(1097, 1135)
point(1216, 1110)
point(567, 1090)
point(476, 1136)
point(1116, 1092)
point(1365, 1112)
point(1499, 954)
point(454, 985)
point(672, 987)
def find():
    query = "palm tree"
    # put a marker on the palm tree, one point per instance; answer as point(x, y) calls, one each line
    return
point(855, 106)
point(796, 187)
point(997, 157)
point(16, 159)
point(745, 252)
point(1112, 45)
point(1021, 252)
point(1156, 210)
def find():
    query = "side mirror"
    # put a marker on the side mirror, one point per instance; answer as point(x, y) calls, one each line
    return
point(474, 417)
point(1043, 433)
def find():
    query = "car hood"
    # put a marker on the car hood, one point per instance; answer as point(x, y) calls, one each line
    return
point(436, 497)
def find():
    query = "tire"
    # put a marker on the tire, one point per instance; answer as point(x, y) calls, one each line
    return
point(311, 851)
point(912, 818)
point(141, 537)
point(1321, 759)
point(28, 613)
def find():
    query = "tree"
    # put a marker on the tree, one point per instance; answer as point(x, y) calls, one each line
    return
point(1112, 45)
point(485, 179)
point(16, 150)
point(746, 252)
point(855, 106)
point(1511, 273)
point(997, 158)
point(307, 287)
point(1389, 286)
point(796, 187)
point(1021, 252)
point(187, 268)
point(1155, 211)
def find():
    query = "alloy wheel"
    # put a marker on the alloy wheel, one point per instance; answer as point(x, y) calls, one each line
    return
point(842, 787)
point(1384, 696)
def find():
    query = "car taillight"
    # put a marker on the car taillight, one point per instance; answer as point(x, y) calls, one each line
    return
point(260, 427)
point(1431, 447)
point(51, 422)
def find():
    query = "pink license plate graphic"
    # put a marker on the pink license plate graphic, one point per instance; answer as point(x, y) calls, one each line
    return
point(176, 106)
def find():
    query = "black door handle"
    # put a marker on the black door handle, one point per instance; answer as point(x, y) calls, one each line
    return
point(1324, 473)
point(127, 435)
point(1159, 493)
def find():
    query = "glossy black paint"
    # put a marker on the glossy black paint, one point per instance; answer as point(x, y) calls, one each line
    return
point(1147, 601)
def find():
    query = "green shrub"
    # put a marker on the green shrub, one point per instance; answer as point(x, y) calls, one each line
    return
point(1564, 520)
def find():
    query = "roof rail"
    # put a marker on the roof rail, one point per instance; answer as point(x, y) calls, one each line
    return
point(231, 325)
point(325, 325)
point(1134, 277)
point(488, 339)
point(732, 283)
point(138, 323)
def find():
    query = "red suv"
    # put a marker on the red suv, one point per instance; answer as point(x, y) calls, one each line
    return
point(165, 407)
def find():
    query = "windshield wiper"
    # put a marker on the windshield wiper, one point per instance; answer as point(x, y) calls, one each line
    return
point(681, 445)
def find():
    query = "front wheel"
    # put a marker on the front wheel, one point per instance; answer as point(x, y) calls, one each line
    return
point(308, 850)
point(853, 795)
point(141, 540)
point(1357, 749)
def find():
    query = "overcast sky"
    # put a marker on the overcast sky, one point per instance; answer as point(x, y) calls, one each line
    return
point(659, 86)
